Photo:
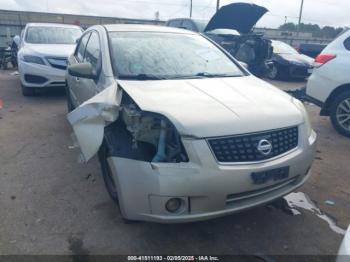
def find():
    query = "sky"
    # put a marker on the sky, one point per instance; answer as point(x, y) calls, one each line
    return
point(322, 12)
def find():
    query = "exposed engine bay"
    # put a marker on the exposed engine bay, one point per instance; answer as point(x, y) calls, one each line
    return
point(143, 136)
point(252, 49)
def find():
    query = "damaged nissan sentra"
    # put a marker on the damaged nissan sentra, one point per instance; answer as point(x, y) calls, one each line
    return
point(183, 132)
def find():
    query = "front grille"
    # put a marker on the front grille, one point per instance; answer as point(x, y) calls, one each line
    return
point(58, 62)
point(244, 148)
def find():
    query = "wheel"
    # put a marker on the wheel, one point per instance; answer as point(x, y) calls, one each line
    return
point(107, 174)
point(272, 73)
point(109, 180)
point(340, 113)
point(70, 106)
point(27, 91)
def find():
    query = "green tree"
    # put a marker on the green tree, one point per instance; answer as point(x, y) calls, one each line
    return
point(315, 29)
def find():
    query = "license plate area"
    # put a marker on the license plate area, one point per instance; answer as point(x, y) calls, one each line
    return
point(270, 175)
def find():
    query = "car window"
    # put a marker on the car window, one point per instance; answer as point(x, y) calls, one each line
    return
point(188, 25)
point(52, 35)
point(92, 53)
point(82, 46)
point(347, 43)
point(168, 56)
point(175, 23)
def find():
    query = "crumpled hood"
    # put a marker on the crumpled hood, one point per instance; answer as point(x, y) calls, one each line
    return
point(49, 49)
point(238, 16)
point(216, 107)
point(297, 58)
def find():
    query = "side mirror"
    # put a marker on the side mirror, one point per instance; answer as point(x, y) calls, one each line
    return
point(17, 39)
point(83, 70)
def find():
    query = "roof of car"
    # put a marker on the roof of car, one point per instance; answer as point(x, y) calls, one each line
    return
point(53, 25)
point(145, 28)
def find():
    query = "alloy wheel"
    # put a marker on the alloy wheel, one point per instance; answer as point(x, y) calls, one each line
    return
point(343, 114)
point(272, 72)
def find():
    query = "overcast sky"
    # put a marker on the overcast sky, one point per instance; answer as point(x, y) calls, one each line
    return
point(323, 12)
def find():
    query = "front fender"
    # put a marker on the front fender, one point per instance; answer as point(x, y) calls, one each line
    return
point(90, 118)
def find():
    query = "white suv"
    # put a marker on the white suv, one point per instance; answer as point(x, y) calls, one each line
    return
point(329, 84)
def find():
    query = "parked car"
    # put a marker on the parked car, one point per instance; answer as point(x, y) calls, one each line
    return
point(311, 50)
point(231, 27)
point(329, 84)
point(43, 53)
point(287, 62)
point(344, 250)
point(182, 130)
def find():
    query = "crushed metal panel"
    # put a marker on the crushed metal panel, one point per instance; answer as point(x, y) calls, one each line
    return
point(90, 118)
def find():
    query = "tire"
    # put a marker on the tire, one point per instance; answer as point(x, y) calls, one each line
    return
point(340, 113)
point(27, 91)
point(109, 180)
point(273, 72)
point(70, 106)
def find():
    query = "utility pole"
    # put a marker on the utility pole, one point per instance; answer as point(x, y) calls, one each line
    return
point(217, 5)
point(191, 9)
point(300, 14)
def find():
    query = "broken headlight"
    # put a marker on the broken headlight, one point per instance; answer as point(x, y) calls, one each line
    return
point(154, 132)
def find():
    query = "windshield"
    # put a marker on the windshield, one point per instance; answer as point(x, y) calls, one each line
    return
point(52, 35)
point(282, 48)
point(153, 55)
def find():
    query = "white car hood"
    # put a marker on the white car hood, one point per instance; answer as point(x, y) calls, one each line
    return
point(198, 108)
point(216, 107)
point(55, 50)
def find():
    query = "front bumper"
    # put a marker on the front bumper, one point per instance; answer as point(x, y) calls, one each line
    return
point(208, 189)
point(51, 77)
point(299, 71)
point(344, 250)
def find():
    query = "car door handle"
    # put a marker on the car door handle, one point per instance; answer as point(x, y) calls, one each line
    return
point(77, 79)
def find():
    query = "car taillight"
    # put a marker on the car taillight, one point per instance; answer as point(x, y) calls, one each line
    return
point(323, 59)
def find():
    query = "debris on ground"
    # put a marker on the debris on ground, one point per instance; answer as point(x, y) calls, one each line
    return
point(330, 202)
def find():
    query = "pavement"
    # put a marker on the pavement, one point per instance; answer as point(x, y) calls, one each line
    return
point(50, 204)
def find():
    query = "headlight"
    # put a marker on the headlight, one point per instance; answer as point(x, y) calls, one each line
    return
point(33, 59)
point(301, 107)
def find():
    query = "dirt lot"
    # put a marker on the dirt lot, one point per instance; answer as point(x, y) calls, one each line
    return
point(50, 204)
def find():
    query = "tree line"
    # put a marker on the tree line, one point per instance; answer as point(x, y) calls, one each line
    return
point(315, 29)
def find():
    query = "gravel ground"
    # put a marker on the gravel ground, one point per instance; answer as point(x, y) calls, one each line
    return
point(50, 204)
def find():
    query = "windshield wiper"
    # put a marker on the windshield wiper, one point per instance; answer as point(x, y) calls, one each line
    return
point(155, 77)
point(141, 77)
point(202, 75)
point(209, 75)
